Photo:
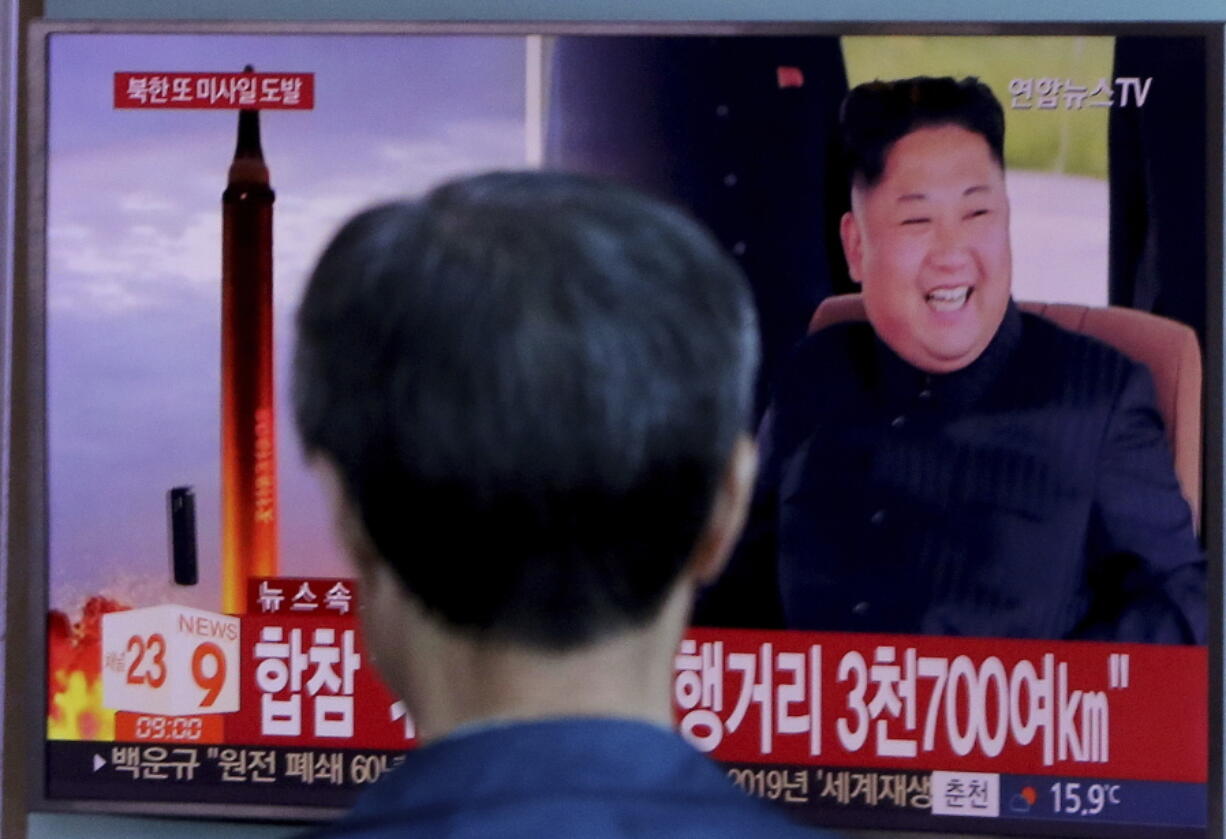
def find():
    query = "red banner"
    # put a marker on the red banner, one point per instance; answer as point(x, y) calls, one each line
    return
point(916, 702)
point(263, 91)
point(789, 699)
point(302, 595)
point(308, 681)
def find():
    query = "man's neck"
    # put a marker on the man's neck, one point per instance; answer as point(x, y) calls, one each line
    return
point(452, 681)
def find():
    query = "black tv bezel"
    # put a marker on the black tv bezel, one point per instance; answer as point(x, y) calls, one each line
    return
point(27, 481)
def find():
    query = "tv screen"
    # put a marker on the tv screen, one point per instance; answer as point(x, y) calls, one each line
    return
point(969, 599)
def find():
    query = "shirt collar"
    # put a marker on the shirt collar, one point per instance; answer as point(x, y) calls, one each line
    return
point(962, 387)
point(517, 758)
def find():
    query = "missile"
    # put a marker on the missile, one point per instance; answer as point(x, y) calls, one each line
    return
point(248, 414)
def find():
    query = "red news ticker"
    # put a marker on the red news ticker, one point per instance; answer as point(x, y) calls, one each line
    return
point(1073, 709)
point(1132, 711)
point(1076, 709)
point(308, 681)
point(169, 90)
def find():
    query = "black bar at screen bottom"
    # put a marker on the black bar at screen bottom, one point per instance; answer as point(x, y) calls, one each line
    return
point(979, 803)
point(838, 797)
point(212, 774)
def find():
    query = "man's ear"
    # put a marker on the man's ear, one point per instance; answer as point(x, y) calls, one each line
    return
point(849, 232)
point(728, 511)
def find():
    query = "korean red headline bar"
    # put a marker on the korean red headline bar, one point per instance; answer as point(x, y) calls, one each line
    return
point(1129, 711)
point(169, 90)
point(918, 702)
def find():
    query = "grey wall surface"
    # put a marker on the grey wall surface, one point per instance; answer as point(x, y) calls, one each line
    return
point(630, 10)
point(55, 826)
point(8, 135)
point(60, 826)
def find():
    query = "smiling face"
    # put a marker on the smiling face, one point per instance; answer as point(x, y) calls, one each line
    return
point(929, 244)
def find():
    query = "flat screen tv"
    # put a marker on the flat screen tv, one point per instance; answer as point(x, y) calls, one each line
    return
point(921, 636)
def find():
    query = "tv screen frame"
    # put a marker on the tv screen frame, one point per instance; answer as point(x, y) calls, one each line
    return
point(28, 484)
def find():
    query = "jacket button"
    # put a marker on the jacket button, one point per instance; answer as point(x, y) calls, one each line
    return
point(860, 608)
point(877, 517)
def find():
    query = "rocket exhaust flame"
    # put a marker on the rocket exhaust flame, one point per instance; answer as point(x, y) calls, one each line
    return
point(248, 447)
point(74, 674)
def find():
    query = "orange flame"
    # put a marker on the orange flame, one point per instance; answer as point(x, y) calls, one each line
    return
point(74, 674)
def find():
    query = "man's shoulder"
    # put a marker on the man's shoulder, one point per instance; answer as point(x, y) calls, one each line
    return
point(601, 779)
point(1062, 353)
point(856, 337)
point(841, 357)
point(851, 337)
point(834, 357)
point(642, 817)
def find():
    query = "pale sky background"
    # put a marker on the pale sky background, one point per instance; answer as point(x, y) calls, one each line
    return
point(134, 253)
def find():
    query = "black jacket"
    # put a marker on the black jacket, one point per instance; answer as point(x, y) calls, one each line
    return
point(591, 778)
point(1028, 495)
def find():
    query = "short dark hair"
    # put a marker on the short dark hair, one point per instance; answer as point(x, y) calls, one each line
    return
point(531, 385)
point(877, 114)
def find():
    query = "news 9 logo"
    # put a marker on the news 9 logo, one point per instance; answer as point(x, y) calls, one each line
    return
point(170, 660)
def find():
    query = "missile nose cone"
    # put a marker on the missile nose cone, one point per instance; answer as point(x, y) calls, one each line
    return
point(248, 136)
point(248, 164)
point(248, 145)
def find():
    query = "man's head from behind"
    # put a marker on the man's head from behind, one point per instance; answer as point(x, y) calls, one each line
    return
point(928, 233)
point(528, 388)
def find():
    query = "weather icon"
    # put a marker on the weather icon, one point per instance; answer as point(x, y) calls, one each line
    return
point(1024, 800)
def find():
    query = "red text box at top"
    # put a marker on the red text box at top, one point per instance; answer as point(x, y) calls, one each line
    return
point(214, 91)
